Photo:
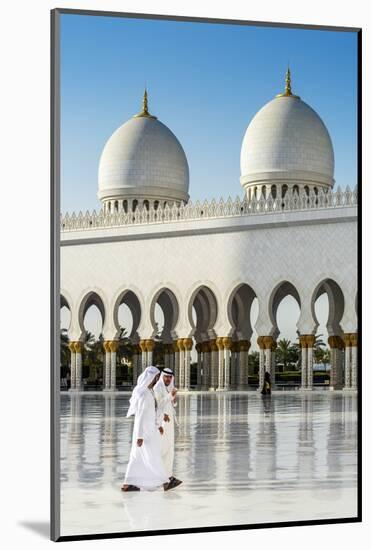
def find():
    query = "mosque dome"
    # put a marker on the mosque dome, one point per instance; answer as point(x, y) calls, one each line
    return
point(142, 163)
point(286, 144)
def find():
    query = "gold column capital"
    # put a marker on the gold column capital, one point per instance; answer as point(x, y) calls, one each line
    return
point(180, 344)
point(71, 346)
point(354, 339)
point(219, 343)
point(347, 339)
point(175, 348)
point(227, 342)
point(150, 345)
point(212, 345)
point(106, 346)
point(187, 343)
point(310, 340)
point(260, 342)
point(303, 341)
point(142, 345)
point(245, 345)
point(268, 342)
point(199, 346)
point(79, 346)
point(113, 345)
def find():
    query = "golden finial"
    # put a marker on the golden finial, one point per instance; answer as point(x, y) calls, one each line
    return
point(144, 112)
point(288, 82)
point(288, 92)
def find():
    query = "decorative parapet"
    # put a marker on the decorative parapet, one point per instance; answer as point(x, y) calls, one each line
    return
point(292, 201)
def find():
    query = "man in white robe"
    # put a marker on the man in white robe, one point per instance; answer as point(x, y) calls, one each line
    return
point(165, 393)
point(145, 469)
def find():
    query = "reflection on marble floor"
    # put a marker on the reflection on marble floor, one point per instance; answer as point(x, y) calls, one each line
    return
point(243, 459)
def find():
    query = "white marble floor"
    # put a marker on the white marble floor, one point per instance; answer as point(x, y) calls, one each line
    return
point(243, 459)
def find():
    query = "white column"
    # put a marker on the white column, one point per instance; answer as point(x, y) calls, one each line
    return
point(213, 365)
point(310, 368)
point(227, 342)
point(354, 340)
point(348, 365)
point(150, 346)
point(207, 383)
point(219, 343)
point(176, 364)
point(354, 368)
point(243, 372)
point(78, 351)
point(187, 343)
point(261, 361)
point(335, 343)
point(261, 368)
point(273, 366)
point(199, 364)
point(181, 363)
point(113, 348)
point(143, 348)
point(304, 357)
point(268, 360)
point(206, 366)
point(234, 361)
point(107, 380)
point(71, 346)
point(309, 341)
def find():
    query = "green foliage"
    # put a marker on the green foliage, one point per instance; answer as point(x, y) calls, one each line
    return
point(287, 353)
point(253, 362)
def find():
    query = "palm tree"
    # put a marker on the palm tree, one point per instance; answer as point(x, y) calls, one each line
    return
point(125, 345)
point(319, 343)
point(322, 356)
point(89, 340)
point(253, 362)
point(326, 359)
point(286, 352)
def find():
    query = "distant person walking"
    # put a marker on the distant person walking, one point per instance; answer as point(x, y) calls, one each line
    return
point(267, 386)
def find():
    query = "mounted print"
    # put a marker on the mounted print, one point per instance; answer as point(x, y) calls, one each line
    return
point(206, 369)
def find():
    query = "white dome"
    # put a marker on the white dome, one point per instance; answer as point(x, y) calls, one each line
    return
point(287, 142)
point(143, 160)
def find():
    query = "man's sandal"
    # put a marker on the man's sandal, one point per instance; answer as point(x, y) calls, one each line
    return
point(172, 483)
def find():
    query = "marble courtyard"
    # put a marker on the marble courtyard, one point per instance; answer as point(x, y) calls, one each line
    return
point(243, 459)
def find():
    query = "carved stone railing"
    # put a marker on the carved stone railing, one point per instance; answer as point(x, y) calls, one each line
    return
point(292, 201)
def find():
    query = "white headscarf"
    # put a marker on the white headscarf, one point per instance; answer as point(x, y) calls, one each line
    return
point(161, 382)
point(143, 382)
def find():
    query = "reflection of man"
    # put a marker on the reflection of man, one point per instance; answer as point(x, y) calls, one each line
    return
point(165, 393)
point(145, 469)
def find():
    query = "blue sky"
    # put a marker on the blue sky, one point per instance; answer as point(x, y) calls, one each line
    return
point(205, 82)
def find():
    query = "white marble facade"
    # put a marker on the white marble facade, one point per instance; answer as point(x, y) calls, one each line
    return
point(299, 240)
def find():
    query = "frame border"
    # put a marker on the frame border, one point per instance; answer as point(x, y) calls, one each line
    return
point(55, 275)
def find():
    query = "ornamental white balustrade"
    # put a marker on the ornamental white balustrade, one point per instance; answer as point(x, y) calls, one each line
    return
point(292, 201)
